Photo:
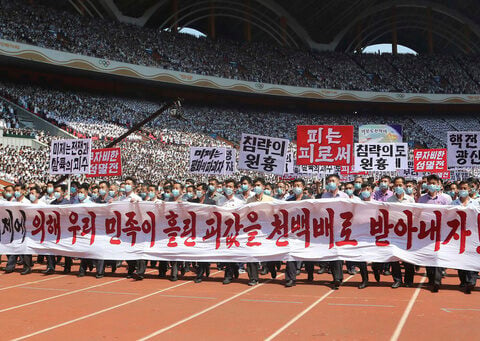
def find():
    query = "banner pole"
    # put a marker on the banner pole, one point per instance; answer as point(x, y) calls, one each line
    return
point(69, 185)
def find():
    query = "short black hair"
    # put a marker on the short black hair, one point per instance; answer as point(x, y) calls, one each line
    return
point(399, 178)
point(259, 179)
point(246, 178)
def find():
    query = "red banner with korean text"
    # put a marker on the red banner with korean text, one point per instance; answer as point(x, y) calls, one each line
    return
point(324, 145)
point(314, 230)
point(430, 160)
point(105, 162)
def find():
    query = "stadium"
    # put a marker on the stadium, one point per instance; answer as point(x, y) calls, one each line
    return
point(168, 124)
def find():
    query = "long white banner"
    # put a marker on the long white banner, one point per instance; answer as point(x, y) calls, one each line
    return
point(446, 236)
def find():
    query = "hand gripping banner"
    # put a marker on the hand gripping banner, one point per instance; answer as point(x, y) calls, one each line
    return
point(312, 230)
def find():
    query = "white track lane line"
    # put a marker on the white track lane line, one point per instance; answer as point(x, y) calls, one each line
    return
point(103, 310)
point(301, 314)
point(160, 331)
point(408, 309)
point(64, 294)
point(39, 281)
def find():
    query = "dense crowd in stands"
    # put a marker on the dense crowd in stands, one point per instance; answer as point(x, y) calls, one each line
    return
point(33, 23)
point(161, 149)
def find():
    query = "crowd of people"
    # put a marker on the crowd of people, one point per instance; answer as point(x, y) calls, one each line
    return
point(235, 193)
point(49, 27)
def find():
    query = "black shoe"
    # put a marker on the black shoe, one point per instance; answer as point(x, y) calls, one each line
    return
point(99, 276)
point(363, 285)
point(396, 285)
point(435, 287)
point(81, 274)
point(387, 273)
point(252, 283)
point(408, 285)
point(173, 279)
point(469, 288)
point(129, 276)
point(227, 281)
point(289, 284)
point(162, 275)
point(321, 270)
point(376, 274)
point(336, 285)
point(26, 271)
point(8, 271)
point(197, 280)
point(67, 270)
point(49, 271)
point(310, 278)
point(139, 277)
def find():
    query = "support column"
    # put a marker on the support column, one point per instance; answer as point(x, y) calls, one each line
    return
point(394, 31)
point(175, 15)
point(466, 32)
point(358, 37)
point(211, 20)
point(429, 30)
point(248, 19)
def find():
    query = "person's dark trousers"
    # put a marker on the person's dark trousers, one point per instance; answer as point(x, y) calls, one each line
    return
point(362, 266)
point(252, 270)
point(131, 265)
point(467, 277)
point(153, 264)
point(141, 267)
point(68, 264)
point(350, 266)
point(162, 268)
point(84, 263)
point(203, 269)
point(272, 268)
point(337, 270)
point(51, 262)
point(291, 271)
point(175, 266)
point(100, 266)
point(377, 270)
point(434, 275)
point(231, 270)
point(309, 266)
point(396, 272)
point(27, 262)
point(40, 259)
point(11, 262)
point(409, 273)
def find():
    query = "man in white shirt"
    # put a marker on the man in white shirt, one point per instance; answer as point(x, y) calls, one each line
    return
point(50, 195)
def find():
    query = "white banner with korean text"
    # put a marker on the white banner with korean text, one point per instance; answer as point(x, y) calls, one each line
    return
point(320, 230)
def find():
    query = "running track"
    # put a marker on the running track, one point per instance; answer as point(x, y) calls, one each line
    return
point(60, 307)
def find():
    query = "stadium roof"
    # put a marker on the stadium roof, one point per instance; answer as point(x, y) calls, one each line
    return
point(342, 25)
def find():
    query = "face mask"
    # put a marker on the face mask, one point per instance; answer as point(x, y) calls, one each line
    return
point(239, 191)
point(151, 195)
point(102, 192)
point(258, 190)
point(175, 192)
point(432, 188)
point(219, 190)
point(297, 190)
point(50, 190)
point(244, 187)
point(8, 195)
point(81, 196)
point(128, 188)
point(365, 194)
point(122, 190)
point(199, 194)
point(73, 190)
point(399, 190)
point(143, 195)
point(166, 195)
point(94, 196)
point(383, 185)
point(228, 191)
point(17, 194)
point(211, 188)
point(32, 197)
point(189, 195)
point(331, 186)
point(267, 192)
point(357, 186)
point(463, 193)
point(279, 191)
point(424, 186)
point(409, 190)
point(57, 195)
point(111, 193)
point(349, 192)
point(451, 193)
